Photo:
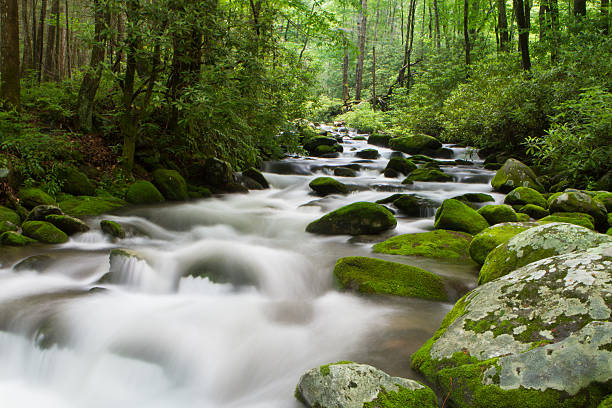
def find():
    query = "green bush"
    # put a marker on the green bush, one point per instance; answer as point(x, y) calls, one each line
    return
point(365, 119)
point(324, 109)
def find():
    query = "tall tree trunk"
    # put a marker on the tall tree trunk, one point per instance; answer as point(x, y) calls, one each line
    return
point(523, 36)
point(345, 67)
point(50, 72)
point(9, 66)
point(605, 16)
point(68, 43)
point(579, 8)
point(40, 38)
point(27, 39)
point(437, 23)
point(502, 23)
point(466, 33)
point(554, 28)
point(363, 17)
point(401, 77)
point(422, 36)
point(374, 54)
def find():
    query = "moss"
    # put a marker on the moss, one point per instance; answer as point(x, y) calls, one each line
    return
point(515, 174)
point(424, 174)
point(606, 403)
point(457, 216)
point(44, 232)
point(474, 198)
point(68, 224)
point(368, 154)
point(112, 228)
point(521, 217)
point(375, 276)
point(12, 238)
point(171, 184)
point(401, 165)
point(354, 219)
point(525, 195)
point(413, 205)
point(606, 199)
point(534, 211)
point(257, 176)
point(324, 369)
point(579, 202)
point(85, 205)
point(328, 185)
point(496, 214)
point(440, 244)
point(76, 182)
point(31, 197)
point(143, 192)
point(484, 242)
point(404, 398)
point(414, 143)
point(379, 139)
point(584, 220)
point(6, 214)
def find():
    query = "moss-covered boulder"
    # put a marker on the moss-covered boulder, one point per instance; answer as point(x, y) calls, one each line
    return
point(344, 172)
point(427, 174)
point(399, 165)
point(606, 199)
point(256, 175)
point(584, 220)
point(8, 215)
point(350, 385)
point(575, 201)
point(522, 217)
point(515, 174)
point(414, 206)
point(320, 145)
point(414, 144)
point(354, 219)
point(44, 232)
point(457, 216)
point(112, 228)
point(8, 226)
point(369, 154)
point(538, 243)
point(70, 225)
point(379, 139)
point(217, 173)
point(40, 212)
point(327, 185)
point(525, 195)
point(171, 184)
point(534, 211)
point(606, 403)
point(496, 214)
point(85, 205)
point(375, 276)
point(76, 182)
point(439, 244)
point(485, 241)
point(475, 198)
point(31, 197)
point(143, 192)
point(11, 238)
point(539, 337)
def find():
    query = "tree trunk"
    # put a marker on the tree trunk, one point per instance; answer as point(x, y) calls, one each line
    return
point(579, 8)
point(437, 23)
point(374, 55)
point(27, 39)
point(363, 17)
point(345, 67)
point(50, 72)
point(40, 38)
point(502, 23)
point(68, 42)
point(9, 71)
point(605, 10)
point(466, 33)
point(523, 36)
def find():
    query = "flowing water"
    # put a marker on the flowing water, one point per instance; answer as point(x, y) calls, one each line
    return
point(164, 338)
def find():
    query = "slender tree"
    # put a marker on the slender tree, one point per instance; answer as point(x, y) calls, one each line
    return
point(363, 17)
point(502, 24)
point(523, 34)
point(437, 23)
point(374, 54)
point(466, 33)
point(9, 71)
point(39, 39)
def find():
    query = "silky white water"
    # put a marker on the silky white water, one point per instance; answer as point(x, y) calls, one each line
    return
point(164, 338)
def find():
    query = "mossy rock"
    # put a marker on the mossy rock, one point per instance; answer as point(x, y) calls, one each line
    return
point(76, 182)
point(112, 228)
point(457, 216)
point(327, 185)
point(400, 165)
point(354, 219)
point(31, 197)
point(606, 199)
point(143, 192)
point(534, 211)
point(414, 206)
point(8, 226)
point(70, 225)
point(40, 212)
point(475, 198)
point(256, 175)
point(425, 174)
point(438, 244)
point(85, 205)
point(171, 184)
point(485, 241)
point(344, 172)
point(327, 151)
point(217, 173)
point(525, 195)
point(575, 201)
point(197, 192)
point(414, 144)
point(11, 238)
point(421, 158)
point(379, 139)
point(360, 137)
point(584, 220)
point(350, 385)
point(44, 232)
point(496, 214)
point(370, 154)
point(513, 342)
point(521, 217)
point(515, 174)
point(8, 215)
point(313, 146)
point(538, 243)
point(606, 403)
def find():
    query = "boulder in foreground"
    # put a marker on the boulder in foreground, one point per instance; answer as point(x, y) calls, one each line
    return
point(354, 219)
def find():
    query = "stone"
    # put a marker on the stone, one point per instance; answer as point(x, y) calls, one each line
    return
point(584, 220)
point(171, 184)
point(606, 199)
point(350, 385)
point(414, 144)
point(379, 139)
point(475, 198)
point(521, 217)
point(11, 238)
point(322, 145)
point(112, 228)
point(538, 243)
point(40, 212)
point(31, 197)
point(534, 211)
point(438, 244)
point(400, 165)
point(216, 172)
point(45, 232)
point(70, 225)
point(85, 205)
point(525, 195)
point(515, 174)
point(414, 206)
point(457, 216)
point(486, 240)
point(496, 214)
point(257, 176)
point(424, 174)
point(575, 201)
point(8, 215)
point(143, 192)
point(368, 154)
point(344, 172)
point(354, 219)
point(76, 182)
point(326, 185)
point(539, 337)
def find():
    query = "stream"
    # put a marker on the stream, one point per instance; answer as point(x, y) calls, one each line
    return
point(163, 338)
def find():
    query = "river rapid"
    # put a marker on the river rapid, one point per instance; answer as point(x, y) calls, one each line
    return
point(163, 338)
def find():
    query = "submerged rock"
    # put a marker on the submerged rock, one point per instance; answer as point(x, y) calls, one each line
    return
point(350, 385)
point(344, 172)
point(515, 174)
point(112, 228)
point(457, 216)
point(485, 241)
point(143, 192)
point(440, 244)
point(354, 219)
point(326, 185)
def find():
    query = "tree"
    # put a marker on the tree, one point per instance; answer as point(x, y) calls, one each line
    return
point(502, 24)
point(466, 33)
point(10, 82)
point(363, 17)
point(523, 37)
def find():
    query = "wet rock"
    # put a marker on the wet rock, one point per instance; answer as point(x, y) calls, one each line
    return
point(525, 195)
point(85, 205)
point(287, 167)
point(34, 263)
point(457, 216)
point(399, 165)
point(257, 176)
point(143, 192)
point(368, 154)
point(344, 172)
point(171, 184)
point(496, 214)
point(350, 385)
point(76, 182)
point(438, 244)
point(40, 212)
point(322, 145)
point(581, 203)
point(414, 206)
point(354, 219)
point(442, 153)
point(538, 337)
point(486, 240)
point(534, 211)
point(461, 162)
point(379, 139)
point(606, 199)
point(217, 173)
point(326, 185)
point(31, 197)
point(415, 144)
point(584, 220)
point(424, 174)
point(44, 232)
point(474, 198)
point(538, 243)
point(8, 215)
point(515, 174)
point(112, 228)
point(70, 225)
point(11, 238)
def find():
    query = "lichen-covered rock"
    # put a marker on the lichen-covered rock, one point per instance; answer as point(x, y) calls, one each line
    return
point(354, 219)
point(143, 192)
point(414, 144)
point(368, 154)
point(584, 220)
point(515, 174)
point(85, 205)
point(575, 201)
point(440, 244)
point(257, 176)
point(40, 212)
point(525, 195)
point(414, 206)
point(44, 232)
point(112, 228)
point(427, 174)
point(12, 238)
point(400, 165)
point(375, 276)
point(538, 243)
point(327, 185)
point(379, 139)
point(344, 172)
point(485, 241)
point(76, 182)
point(457, 216)
point(70, 225)
point(496, 214)
point(171, 184)
point(539, 337)
point(606, 199)
point(534, 211)
point(350, 385)
point(31, 197)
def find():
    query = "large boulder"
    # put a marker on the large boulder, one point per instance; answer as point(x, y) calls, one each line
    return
point(76, 182)
point(584, 220)
point(375, 276)
point(427, 174)
point(12, 238)
point(606, 199)
point(171, 184)
point(496, 214)
point(414, 144)
point(575, 201)
point(31, 197)
point(399, 165)
point(515, 174)
point(143, 192)
point(40, 212)
point(350, 385)
point(85, 205)
point(256, 175)
point(534, 211)
point(441, 244)
point(525, 195)
point(354, 219)
point(379, 139)
point(475, 198)
point(322, 145)
point(326, 185)
point(539, 337)
point(538, 243)
point(6, 214)
point(368, 154)
point(414, 206)
point(44, 232)
point(485, 241)
point(70, 225)
point(457, 216)
point(217, 173)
